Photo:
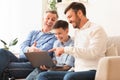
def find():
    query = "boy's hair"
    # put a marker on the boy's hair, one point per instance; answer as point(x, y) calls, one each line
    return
point(75, 6)
point(53, 12)
point(61, 24)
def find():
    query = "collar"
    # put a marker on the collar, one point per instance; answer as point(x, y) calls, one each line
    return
point(67, 42)
point(50, 32)
point(86, 25)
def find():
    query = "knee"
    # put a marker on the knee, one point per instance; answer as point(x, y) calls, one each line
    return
point(4, 60)
point(41, 76)
point(3, 56)
point(68, 76)
point(3, 52)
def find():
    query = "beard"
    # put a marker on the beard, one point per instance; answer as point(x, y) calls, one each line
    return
point(75, 26)
point(77, 23)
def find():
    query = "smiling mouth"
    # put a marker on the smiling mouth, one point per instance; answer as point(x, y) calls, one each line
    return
point(48, 24)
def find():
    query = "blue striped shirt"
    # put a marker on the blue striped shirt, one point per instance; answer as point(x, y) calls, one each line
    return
point(64, 59)
point(44, 41)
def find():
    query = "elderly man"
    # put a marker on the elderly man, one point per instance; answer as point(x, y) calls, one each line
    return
point(36, 41)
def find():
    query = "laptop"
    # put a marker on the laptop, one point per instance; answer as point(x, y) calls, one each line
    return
point(40, 58)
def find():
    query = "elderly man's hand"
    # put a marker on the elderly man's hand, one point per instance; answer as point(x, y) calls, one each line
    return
point(58, 51)
point(33, 48)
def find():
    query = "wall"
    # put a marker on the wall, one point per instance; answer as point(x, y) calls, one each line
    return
point(18, 17)
point(103, 12)
point(107, 14)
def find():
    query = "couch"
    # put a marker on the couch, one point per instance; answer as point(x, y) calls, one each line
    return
point(109, 66)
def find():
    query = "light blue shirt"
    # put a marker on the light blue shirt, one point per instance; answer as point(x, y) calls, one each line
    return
point(44, 41)
point(64, 59)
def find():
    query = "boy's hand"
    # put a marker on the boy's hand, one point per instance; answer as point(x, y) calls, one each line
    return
point(43, 67)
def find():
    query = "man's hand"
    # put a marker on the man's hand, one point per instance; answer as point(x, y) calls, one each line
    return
point(43, 67)
point(58, 51)
point(33, 48)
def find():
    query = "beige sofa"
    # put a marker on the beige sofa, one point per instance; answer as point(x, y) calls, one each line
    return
point(109, 66)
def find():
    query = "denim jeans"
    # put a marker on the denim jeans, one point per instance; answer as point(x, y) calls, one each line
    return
point(10, 61)
point(4, 60)
point(33, 74)
point(67, 75)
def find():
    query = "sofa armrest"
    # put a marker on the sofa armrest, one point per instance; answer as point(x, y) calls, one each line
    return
point(108, 68)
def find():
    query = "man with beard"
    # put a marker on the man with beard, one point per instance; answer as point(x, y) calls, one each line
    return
point(89, 47)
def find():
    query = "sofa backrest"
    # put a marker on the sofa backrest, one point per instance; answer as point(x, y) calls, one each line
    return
point(116, 41)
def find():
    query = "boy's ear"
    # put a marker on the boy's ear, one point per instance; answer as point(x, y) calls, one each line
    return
point(67, 30)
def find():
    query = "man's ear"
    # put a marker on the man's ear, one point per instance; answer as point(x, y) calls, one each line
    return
point(79, 13)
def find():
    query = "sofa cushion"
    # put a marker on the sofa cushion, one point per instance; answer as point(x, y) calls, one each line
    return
point(113, 44)
point(111, 50)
